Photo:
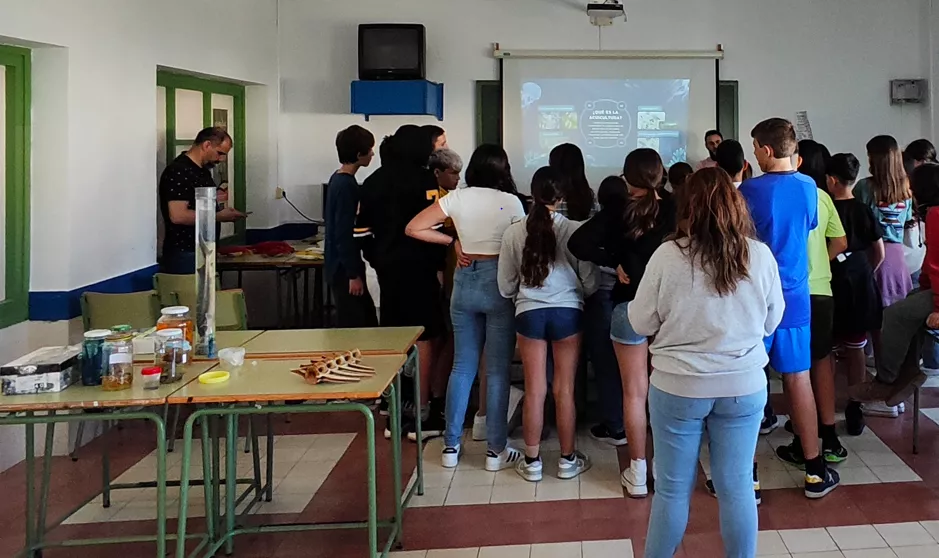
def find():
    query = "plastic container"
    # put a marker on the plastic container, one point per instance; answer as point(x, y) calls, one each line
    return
point(119, 348)
point(93, 364)
point(170, 352)
point(232, 356)
point(177, 317)
point(151, 377)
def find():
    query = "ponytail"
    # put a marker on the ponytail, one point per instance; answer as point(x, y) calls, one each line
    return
point(540, 241)
point(642, 170)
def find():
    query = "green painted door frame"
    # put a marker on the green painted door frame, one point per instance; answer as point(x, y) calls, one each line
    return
point(14, 307)
point(172, 82)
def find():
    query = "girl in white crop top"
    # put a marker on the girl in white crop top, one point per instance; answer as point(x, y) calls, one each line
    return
point(481, 213)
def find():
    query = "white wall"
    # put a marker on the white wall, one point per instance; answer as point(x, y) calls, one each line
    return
point(104, 86)
point(833, 58)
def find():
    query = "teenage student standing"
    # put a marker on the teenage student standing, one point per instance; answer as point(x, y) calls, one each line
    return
point(709, 296)
point(624, 238)
point(345, 270)
point(858, 308)
point(898, 372)
point(730, 157)
point(407, 268)
point(548, 286)
point(481, 213)
point(887, 192)
point(577, 202)
point(826, 242)
point(784, 208)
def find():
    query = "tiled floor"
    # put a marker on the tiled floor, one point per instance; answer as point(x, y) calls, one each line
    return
point(301, 465)
point(888, 506)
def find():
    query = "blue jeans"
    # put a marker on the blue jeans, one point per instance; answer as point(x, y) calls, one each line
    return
point(480, 316)
point(733, 425)
point(598, 313)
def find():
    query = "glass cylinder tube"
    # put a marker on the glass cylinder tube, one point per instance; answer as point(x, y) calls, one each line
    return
point(205, 272)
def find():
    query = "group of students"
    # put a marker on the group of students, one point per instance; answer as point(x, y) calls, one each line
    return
point(717, 277)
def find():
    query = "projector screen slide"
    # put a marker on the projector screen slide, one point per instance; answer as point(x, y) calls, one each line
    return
point(607, 107)
point(605, 118)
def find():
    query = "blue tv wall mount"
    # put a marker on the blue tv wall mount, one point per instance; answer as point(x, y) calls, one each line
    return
point(397, 97)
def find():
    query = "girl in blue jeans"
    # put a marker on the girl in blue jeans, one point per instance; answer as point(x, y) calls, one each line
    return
point(548, 285)
point(709, 296)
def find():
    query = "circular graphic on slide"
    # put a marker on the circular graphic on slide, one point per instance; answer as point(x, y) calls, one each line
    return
point(605, 123)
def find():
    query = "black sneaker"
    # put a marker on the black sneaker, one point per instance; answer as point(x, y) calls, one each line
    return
point(431, 427)
point(834, 454)
point(757, 493)
point(383, 407)
point(709, 484)
point(603, 434)
point(788, 427)
point(792, 454)
point(768, 425)
point(406, 426)
point(854, 419)
point(817, 487)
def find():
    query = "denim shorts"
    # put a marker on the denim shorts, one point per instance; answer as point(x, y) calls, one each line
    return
point(549, 324)
point(621, 331)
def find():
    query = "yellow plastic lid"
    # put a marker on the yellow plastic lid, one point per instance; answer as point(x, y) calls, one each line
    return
point(214, 377)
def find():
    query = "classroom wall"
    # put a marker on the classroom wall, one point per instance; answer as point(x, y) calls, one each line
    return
point(832, 58)
point(94, 143)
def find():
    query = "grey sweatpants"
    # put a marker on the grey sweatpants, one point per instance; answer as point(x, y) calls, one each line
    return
point(902, 333)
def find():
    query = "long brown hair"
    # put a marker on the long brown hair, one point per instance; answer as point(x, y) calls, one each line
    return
point(642, 169)
point(713, 217)
point(568, 160)
point(541, 243)
point(889, 179)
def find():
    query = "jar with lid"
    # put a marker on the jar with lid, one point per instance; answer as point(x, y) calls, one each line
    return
point(177, 317)
point(122, 328)
point(119, 348)
point(151, 377)
point(93, 362)
point(170, 353)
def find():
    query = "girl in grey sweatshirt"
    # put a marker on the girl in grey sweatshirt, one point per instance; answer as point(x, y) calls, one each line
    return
point(548, 286)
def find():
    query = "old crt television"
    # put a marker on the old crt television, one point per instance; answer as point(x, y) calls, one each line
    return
point(391, 51)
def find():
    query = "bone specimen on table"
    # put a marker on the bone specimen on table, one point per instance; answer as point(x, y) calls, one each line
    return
point(335, 368)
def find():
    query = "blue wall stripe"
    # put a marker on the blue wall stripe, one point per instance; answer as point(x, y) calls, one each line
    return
point(64, 305)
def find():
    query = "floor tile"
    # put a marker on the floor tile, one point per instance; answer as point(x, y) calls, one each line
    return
point(438, 479)
point(410, 554)
point(622, 548)
point(453, 553)
point(895, 474)
point(856, 537)
point(928, 551)
point(870, 553)
point(473, 478)
point(592, 490)
point(807, 540)
point(827, 554)
point(432, 497)
point(565, 490)
point(769, 543)
point(857, 475)
point(905, 534)
point(556, 550)
point(932, 527)
point(468, 495)
point(513, 493)
point(773, 479)
point(516, 551)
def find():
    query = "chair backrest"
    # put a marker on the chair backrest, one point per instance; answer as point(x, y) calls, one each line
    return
point(231, 313)
point(176, 289)
point(140, 310)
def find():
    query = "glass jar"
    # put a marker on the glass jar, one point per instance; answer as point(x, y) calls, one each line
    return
point(122, 328)
point(93, 363)
point(119, 348)
point(177, 317)
point(170, 353)
point(151, 377)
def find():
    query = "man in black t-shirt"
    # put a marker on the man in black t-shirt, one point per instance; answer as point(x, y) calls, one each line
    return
point(178, 184)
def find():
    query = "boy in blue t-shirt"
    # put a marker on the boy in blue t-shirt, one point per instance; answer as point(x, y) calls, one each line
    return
point(784, 207)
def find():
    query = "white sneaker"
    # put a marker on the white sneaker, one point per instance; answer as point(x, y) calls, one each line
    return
point(531, 472)
point(569, 469)
point(450, 456)
point(879, 409)
point(508, 458)
point(633, 479)
point(479, 428)
point(901, 407)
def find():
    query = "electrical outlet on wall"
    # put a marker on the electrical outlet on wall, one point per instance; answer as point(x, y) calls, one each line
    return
point(278, 193)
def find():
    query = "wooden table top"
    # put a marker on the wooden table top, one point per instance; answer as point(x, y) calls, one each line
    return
point(299, 342)
point(258, 261)
point(223, 339)
point(272, 380)
point(78, 396)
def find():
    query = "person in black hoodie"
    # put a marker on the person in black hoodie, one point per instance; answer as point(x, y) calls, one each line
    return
point(623, 237)
point(408, 270)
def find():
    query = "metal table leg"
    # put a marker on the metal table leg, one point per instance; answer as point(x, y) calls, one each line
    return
point(916, 395)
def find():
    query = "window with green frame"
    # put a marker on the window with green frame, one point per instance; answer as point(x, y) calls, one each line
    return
point(173, 81)
point(14, 297)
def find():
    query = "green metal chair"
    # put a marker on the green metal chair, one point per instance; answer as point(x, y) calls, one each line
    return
point(139, 310)
point(175, 289)
point(231, 312)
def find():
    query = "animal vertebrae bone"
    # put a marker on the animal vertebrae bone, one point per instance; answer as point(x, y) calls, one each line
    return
point(339, 368)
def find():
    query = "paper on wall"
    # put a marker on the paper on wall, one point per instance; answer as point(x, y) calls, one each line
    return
point(803, 126)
